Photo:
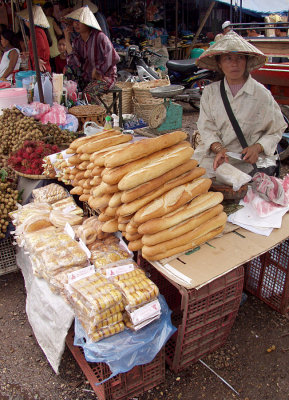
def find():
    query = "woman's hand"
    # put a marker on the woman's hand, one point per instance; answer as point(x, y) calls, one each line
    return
point(42, 66)
point(251, 153)
point(220, 158)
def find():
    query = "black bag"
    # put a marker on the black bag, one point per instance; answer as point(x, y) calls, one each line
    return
point(273, 170)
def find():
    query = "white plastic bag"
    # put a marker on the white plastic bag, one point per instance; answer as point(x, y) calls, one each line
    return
point(231, 176)
point(90, 128)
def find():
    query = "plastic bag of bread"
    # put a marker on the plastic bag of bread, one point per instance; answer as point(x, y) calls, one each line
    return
point(35, 243)
point(36, 222)
point(67, 206)
point(59, 218)
point(91, 230)
point(18, 216)
point(111, 255)
point(106, 332)
point(49, 194)
point(90, 327)
point(57, 282)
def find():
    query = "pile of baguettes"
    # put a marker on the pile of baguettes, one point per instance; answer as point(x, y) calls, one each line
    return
point(150, 190)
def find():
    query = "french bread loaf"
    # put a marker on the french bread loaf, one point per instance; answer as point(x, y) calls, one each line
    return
point(183, 227)
point(84, 157)
point(172, 200)
point(143, 148)
point(114, 175)
point(115, 200)
point(84, 197)
point(91, 147)
point(110, 226)
point(101, 157)
point(122, 227)
point(132, 236)
point(95, 181)
point(97, 171)
point(155, 169)
point(99, 202)
point(76, 190)
point(111, 211)
point(89, 139)
point(180, 249)
point(188, 237)
point(141, 190)
point(94, 156)
point(104, 217)
point(133, 206)
point(198, 205)
point(135, 245)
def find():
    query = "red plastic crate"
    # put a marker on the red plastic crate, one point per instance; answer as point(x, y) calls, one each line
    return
point(203, 317)
point(122, 386)
point(267, 277)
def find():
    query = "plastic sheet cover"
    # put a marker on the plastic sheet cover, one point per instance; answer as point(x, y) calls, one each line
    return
point(125, 350)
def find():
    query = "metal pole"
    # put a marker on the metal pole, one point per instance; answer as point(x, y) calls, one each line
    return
point(240, 11)
point(177, 23)
point(22, 26)
point(34, 49)
point(231, 10)
point(208, 12)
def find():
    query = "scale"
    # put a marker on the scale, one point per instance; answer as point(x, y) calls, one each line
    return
point(168, 115)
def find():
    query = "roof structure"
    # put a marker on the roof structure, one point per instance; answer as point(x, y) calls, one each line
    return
point(262, 7)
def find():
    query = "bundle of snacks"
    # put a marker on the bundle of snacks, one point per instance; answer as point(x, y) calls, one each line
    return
point(67, 205)
point(98, 305)
point(60, 218)
point(49, 194)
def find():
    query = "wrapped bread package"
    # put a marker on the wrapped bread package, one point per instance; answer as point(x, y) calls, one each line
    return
point(49, 194)
point(59, 218)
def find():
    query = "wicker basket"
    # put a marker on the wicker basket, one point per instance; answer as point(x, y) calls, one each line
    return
point(127, 106)
point(143, 110)
point(28, 176)
point(141, 91)
point(88, 113)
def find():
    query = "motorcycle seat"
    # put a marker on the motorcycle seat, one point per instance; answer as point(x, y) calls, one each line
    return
point(182, 66)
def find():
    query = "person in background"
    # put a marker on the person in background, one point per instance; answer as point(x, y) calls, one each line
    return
point(92, 59)
point(11, 58)
point(61, 59)
point(258, 114)
point(226, 27)
point(43, 50)
point(54, 31)
point(94, 8)
point(281, 32)
point(252, 32)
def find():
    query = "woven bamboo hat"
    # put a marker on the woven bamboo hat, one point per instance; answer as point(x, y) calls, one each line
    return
point(39, 17)
point(82, 3)
point(231, 43)
point(85, 16)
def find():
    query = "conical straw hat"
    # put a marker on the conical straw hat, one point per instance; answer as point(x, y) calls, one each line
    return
point(39, 17)
point(81, 3)
point(85, 16)
point(231, 43)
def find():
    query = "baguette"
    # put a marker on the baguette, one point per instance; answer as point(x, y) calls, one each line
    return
point(141, 190)
point(74, 160)
point(132, 207)
point(101, 157)
point(144, 148)
point(88, 174)
point(155, 169)
point(76, 190)
point(90, 166)
point(115, 200)
point(188, 246)
point(84, 197)
point(124, 220)
point(188, 237)
point(135, 245)
point(183, 227)
point(86, 139)
point(104, 217)
point(104, 188)
point(172, 200)
point(91, 147)
point(195, 207)
point(114, 175)
point(110, 226)
point(110, 211)
point(97, 171)
point(122, 227)
point(95, 181)
point(84, 157)
point(99, 202)
point(130, 228)
point(94, 156)
point(79, 175)
point(82, 166)
point(132, 236)
point(69, 151)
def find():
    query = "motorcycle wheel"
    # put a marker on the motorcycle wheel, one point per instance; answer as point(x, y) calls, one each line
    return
point(195, 97)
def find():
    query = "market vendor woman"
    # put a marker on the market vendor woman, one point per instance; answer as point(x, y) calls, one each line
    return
point(91, 57)
point(253, 106)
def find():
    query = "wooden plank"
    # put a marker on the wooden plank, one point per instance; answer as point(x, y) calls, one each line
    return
point(272, 47)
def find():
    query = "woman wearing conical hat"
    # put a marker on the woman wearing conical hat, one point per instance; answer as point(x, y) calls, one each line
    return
point(253, 106)
point(41, 25)
point(92, 58)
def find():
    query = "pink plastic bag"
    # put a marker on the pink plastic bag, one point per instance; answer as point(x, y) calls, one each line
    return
point(56, 115)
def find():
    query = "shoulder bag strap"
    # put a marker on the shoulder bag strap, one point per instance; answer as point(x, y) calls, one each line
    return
point(232, 117)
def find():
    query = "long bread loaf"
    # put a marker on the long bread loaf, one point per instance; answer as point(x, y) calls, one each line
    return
point(185, 247)
point(143, 148)
point(86, 139)
point(114, 175)
point(91, 147)
point(133, 206)
point(155, 169)
point(172, 200)
point(135, 245)
point(110, 226)
point(141, 190)
point(183, 227)
point(115, 200)
point(188, 237)
point(196, 206)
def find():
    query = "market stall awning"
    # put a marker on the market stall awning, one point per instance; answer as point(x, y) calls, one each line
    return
point(262, 7)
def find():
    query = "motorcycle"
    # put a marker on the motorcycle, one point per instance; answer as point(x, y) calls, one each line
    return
point(181, 72)
point(194, 79)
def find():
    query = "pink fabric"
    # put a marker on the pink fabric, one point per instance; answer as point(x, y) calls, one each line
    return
point(269, 188)
point(56, 115)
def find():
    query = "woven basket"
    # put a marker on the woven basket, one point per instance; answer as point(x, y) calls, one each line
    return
point(143, 110)
point(141, 91)
point(31, 176)
point(127, 106)
point(93, 113)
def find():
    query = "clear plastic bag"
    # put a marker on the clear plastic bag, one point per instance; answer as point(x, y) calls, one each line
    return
point(232, 176)
point(91, 128)
point(50, 193)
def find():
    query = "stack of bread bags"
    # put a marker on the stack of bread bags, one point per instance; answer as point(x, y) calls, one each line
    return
point(153, 192)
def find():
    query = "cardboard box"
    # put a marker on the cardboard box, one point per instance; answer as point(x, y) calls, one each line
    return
point(220, 255)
